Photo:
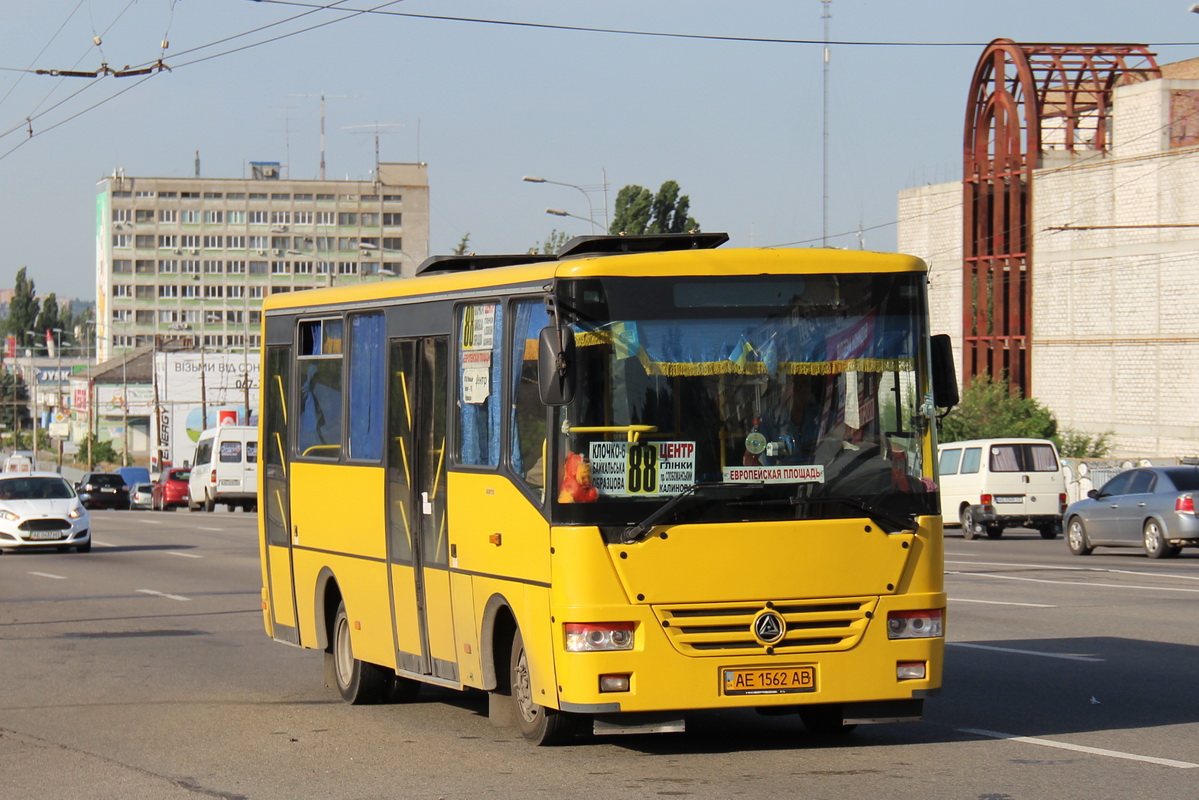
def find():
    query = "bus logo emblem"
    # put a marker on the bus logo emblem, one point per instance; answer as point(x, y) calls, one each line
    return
point(769, 627)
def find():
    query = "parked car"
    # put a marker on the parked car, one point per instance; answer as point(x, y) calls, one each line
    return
point(170, 492)
point(103, 490)
point(41, 509)
point(142, 496)
point(1149, 507)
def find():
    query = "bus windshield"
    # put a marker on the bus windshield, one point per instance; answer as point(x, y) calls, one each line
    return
point(810, 391)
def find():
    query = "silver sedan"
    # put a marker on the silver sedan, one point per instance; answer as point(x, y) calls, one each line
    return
point(1149, 507)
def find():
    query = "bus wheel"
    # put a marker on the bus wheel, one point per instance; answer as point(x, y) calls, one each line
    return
point(825, 721)
point(358, 683)
point(538, 724)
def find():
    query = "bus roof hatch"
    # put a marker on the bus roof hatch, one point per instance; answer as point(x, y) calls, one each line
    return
point(640, 243)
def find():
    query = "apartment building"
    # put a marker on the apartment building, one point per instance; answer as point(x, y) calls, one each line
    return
point(190, 259)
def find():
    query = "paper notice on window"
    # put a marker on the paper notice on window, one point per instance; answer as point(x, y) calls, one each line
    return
point(476, 385)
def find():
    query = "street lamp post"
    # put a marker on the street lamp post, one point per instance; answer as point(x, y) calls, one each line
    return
point(586, 194)
point(557, 212)
point(33, 394)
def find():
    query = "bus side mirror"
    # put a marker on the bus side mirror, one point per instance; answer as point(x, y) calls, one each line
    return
point(944, 377)
point(556, 365)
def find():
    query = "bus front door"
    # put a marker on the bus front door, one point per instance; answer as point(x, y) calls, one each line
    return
point(276, 507)
point(418, 547)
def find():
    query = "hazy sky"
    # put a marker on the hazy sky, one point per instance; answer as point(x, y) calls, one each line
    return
point(738, 123)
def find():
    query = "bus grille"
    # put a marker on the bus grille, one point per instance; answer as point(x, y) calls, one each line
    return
point(813, 626)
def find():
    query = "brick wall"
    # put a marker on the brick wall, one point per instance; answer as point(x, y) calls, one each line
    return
point(1115, 329)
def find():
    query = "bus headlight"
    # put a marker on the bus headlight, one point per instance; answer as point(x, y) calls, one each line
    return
point(588, 637)
point(915, 624)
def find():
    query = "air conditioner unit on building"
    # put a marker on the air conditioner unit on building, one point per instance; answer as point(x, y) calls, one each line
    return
point(195, 252)
point(262, 252)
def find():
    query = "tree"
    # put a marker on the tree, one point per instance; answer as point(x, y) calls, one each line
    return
point(989, 410)
point(48, 319)
point(23, 310)
point(14, 403)
point(552, 244)
point(101, 449)
point(463, 246)
point(638, 211)
point(1073, 444)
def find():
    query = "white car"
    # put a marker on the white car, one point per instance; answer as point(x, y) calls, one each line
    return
point(41, 509)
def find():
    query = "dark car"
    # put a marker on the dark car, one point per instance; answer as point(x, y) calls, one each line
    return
point(103, 490)
point(171, 490)
point(1149, 507)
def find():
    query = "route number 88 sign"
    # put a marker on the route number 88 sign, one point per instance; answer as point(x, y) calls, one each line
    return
point(642, 469)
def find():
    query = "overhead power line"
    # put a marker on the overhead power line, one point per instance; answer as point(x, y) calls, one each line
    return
point(661, 34)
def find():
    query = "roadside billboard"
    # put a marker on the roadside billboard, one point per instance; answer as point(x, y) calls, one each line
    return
point(198, 391)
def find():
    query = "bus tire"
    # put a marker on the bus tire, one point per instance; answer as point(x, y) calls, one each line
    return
point(540, 725)
point(358, 682)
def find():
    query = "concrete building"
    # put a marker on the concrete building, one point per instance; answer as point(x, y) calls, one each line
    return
point(1087, 306)
point(191, 258)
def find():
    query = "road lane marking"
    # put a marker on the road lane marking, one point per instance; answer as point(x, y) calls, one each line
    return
point(48, 575)
point(1064, 656)
point(1075, 583)
point(183, 555)
point(1142, 573)
point(102, 544)
point(1079, 748)
point(164, 594)
point(1000, 603)
point(210, 529)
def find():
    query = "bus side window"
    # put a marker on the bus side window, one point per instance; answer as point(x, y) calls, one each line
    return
point(480, 341)
point(528, 417)
point(319, 425)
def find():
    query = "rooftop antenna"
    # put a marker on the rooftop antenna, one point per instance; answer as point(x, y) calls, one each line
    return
point(322, 96)
point(287, 137)
point(377, 129)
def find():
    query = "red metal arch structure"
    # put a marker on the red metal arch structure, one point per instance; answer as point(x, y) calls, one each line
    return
point(1025, 100)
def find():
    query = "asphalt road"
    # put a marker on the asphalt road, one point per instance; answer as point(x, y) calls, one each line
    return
point(140, 670)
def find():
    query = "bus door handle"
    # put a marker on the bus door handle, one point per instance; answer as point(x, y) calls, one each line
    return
point(426, 507)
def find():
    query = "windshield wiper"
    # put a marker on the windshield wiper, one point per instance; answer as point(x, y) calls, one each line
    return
point(877, 515)
point(635, 533)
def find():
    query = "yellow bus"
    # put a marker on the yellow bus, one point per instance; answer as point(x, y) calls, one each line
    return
point(610, 486)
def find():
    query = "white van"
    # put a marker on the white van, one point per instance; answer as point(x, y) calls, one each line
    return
point(991, 484)
point(225, 469)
